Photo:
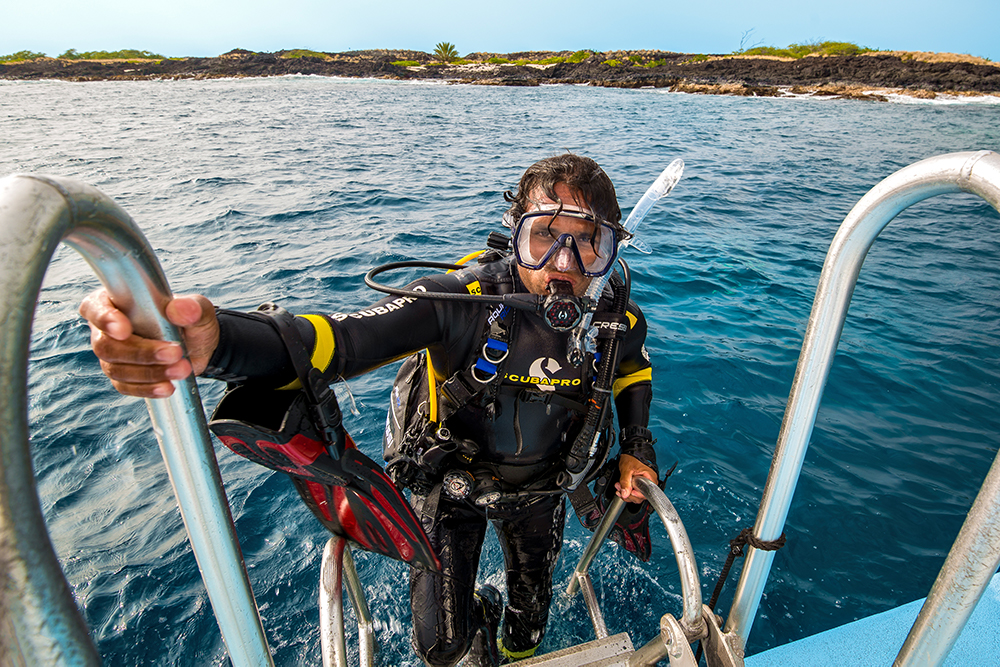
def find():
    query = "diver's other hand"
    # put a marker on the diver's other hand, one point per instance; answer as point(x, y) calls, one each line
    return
point(630, 468)
point(143, 367)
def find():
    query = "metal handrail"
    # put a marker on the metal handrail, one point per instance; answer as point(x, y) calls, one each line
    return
point(691, 621)
point(36, 214)
point(337, 571)
point(975, 555)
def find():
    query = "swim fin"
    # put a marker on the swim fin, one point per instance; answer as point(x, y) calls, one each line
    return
point(301, 434)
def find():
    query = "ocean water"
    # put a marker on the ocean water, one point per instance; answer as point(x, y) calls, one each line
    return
point(289, 189)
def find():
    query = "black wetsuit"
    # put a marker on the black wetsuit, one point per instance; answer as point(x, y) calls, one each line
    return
point(522, 437)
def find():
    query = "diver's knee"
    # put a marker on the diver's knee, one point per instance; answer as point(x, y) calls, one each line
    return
point(442, 654)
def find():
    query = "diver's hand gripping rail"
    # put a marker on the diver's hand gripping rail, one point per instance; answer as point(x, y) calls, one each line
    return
point(36, 214)
point(975, 555)
point(675, 635)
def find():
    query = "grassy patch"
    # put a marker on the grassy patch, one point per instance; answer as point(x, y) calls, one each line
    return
point(612, 62)
point(577, 57)
point(406, 63)
point(124, 54)
point(803, 50)
point(303, 53)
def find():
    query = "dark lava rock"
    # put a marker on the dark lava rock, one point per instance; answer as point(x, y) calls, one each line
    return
point(619, 69)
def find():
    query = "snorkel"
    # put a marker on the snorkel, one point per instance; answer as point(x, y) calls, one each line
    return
point(581, 456)
point(583, 338)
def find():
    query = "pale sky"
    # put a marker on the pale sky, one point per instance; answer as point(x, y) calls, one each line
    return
point(212, 27)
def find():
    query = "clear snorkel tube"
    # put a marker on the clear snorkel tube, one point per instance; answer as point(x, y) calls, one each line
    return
point(583, 338)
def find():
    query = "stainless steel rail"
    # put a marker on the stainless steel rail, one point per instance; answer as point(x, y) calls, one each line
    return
point(41, 624)
point(581, 575)
point(337, 571)
point(976, 553)
point(692, 622)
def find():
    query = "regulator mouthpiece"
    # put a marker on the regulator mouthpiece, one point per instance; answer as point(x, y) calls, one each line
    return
point(562, 310)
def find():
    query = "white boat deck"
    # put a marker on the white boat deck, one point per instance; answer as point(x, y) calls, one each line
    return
point(875, 641)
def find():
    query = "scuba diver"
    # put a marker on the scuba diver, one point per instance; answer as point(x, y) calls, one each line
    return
point(486, 414)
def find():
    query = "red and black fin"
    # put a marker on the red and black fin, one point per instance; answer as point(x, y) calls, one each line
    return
point(301, 434)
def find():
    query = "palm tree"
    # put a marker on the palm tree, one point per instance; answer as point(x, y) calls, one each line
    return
point(445, 52)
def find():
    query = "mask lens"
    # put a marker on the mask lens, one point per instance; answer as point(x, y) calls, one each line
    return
point(541, 234)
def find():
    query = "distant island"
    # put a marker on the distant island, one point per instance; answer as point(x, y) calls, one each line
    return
point(870, 75)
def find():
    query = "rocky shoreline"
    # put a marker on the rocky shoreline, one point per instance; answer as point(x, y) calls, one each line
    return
point(870, 76)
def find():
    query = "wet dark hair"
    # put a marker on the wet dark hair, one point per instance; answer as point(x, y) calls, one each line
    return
point(584, 176)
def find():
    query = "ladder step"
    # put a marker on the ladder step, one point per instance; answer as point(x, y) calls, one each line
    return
point(609, 652)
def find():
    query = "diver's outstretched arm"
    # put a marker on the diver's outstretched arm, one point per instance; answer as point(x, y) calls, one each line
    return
point(143, 367)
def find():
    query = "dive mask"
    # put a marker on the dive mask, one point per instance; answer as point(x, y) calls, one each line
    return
point(567, 234)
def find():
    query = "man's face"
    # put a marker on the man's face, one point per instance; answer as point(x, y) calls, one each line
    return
point(562, 265)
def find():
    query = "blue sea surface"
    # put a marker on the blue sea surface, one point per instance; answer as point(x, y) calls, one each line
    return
point(290, 189)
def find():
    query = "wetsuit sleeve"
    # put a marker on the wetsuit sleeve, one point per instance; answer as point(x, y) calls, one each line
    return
point(633, 391)
point(250, 350)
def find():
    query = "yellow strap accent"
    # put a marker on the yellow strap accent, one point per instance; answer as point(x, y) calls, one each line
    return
point(645, 375)
point(632, 319)
point(468, 258)
point(474, 287)
point(516, 655)
point(323, 348)
point(432, 386)
point(432, 379)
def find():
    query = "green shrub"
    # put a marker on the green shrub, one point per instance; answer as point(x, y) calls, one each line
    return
point(612, 63)
point(842, 49)
point(803, 50)
point(635, 58)
point(766, 51)
point(497, 61)
point(302, 53)
point(406, 63)
point(656, 63)
point(580, 56)
point(21, 56)
point(124, 54)
point(554, 60)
